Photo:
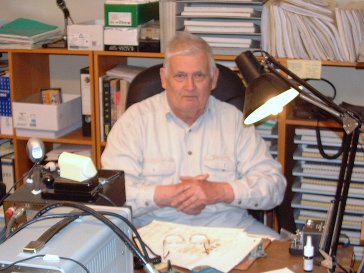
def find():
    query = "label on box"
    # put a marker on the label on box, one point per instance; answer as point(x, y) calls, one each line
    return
point(25, 119)
point(80, 41)
point(125, 48)
point(120, 19)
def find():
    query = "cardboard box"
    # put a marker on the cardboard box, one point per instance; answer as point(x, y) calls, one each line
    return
point(86, 36)
point(130, 15)
point(33, 119)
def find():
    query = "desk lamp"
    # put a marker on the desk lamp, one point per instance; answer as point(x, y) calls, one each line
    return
point(267, 92)
point(62, 43)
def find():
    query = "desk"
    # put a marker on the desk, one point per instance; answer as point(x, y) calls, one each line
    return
point(279, 257)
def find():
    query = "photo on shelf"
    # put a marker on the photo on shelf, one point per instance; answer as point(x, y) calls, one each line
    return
point(51, 96)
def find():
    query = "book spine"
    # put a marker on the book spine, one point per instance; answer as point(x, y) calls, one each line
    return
point(5, 100)
point(114, 91)
point(8, 171)
point(106, 101)
point(85, 101)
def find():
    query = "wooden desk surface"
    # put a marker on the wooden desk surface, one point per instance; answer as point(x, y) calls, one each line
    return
point(278, 257)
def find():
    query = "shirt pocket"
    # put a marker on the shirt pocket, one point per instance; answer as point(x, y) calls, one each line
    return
point(155, 171)
point(220, 167)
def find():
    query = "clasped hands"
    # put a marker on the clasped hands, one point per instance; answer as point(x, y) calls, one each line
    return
point(193, 194)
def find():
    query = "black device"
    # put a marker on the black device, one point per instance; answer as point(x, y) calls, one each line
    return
point(313, 228)
point(112, 183)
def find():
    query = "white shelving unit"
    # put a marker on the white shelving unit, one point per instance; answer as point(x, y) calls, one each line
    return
point(315, 183)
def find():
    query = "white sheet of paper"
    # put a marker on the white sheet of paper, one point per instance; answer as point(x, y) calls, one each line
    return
point(281, 270)
point(227, 246)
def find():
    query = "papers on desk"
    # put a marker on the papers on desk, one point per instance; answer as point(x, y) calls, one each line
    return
point(191, 246)
point(282, 270)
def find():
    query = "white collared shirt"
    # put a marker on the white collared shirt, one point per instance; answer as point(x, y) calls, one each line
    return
point(154, 147)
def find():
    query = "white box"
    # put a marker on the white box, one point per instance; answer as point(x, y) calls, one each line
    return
point(86, 36)
point(33, 119)
point(121, 36)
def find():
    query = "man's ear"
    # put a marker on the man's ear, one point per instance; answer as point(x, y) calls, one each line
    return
point(215, 78)
point(162, 74)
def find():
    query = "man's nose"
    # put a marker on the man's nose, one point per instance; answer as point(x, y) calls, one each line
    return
point(189, 82)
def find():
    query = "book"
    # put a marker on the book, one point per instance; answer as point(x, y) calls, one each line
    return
point(217, 29)
point(216, 7)
point(23, 28)
point(51, 96)
point(118, 100)
point(124, 71)
point(5, 99)
point(221, 14)
point(106, 102)
point(85, 101)
point(7, 171)
point(218, 23)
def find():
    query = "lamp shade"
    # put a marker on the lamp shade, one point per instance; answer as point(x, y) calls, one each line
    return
point(266, 92)
point(249, 66)
point(265, 96)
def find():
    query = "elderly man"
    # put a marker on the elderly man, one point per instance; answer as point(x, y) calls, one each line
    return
point(187, 156)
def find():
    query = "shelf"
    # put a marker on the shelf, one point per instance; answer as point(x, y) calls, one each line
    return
point(31, 69)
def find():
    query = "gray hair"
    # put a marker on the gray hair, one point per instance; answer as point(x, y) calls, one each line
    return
point(185, 43)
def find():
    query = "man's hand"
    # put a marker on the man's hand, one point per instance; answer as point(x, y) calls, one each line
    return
point(200, 193)
point(193, 194)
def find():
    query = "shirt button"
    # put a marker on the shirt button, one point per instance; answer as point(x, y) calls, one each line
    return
point(239, 202)
point(147, 204)
point(189, 153)
point(256, 205)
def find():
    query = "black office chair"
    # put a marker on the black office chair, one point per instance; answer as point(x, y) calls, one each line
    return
point(229, 88)
point(147, 83)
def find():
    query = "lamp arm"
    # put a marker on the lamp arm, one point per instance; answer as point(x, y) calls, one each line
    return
point(348, 119)
point(300, 81)
point(320, 105)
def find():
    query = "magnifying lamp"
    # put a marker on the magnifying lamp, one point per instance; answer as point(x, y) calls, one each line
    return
point(267, 92)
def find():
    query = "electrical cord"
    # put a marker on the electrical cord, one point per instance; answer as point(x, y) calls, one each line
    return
point(32, 221)
point(103, 196)
point(327, 81)
point(4, 268)
point(108, 213)
point(154, 260)
point(40, 217)
point(16, 183)
point(144, 258)
point(321, 147)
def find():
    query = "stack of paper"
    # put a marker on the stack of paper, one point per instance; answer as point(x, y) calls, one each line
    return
point(229, 26)
point(315, 30)
point(195, 246)
point(27, 33)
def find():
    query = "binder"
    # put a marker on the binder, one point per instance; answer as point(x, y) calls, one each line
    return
point(86, 101)
point(8, 171)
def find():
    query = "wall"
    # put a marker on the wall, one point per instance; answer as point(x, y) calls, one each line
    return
point(348, 81)
point(47, 10)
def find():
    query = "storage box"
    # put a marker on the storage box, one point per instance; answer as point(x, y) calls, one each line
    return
point(33, 119)
point(130, 15)
point(121, 38)
point(86, 36)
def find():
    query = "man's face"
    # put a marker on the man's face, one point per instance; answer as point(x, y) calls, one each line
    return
point(188, 84)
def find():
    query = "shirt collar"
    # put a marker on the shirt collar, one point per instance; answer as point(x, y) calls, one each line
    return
point(171, 116)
